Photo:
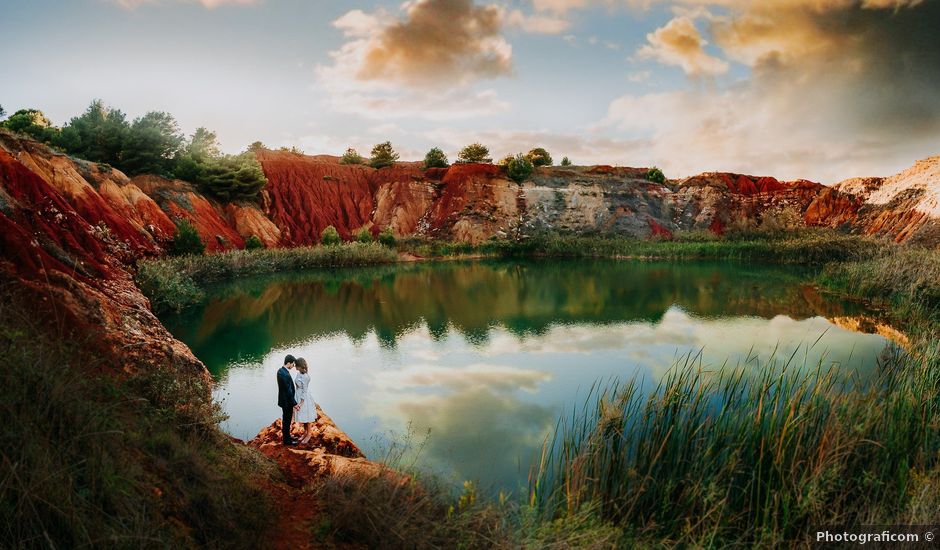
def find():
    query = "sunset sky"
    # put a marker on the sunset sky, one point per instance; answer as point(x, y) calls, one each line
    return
point(821, 89)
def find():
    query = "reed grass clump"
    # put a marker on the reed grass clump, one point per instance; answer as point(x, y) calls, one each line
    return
point(174, 283)
point(720, 458)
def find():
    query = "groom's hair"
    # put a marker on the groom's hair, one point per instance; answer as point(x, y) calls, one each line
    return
point(289, 359)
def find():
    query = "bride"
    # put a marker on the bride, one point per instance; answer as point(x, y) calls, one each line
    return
point(306, 410)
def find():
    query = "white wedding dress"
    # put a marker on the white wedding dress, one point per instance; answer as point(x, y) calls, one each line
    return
point(308, 410)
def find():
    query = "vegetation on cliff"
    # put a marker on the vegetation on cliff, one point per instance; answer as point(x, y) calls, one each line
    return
point(91, 458)
point(475, 153)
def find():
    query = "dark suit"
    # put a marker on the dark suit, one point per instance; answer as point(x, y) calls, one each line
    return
point(285, 400)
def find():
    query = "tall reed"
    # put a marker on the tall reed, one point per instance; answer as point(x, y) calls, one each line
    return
point(721, 457)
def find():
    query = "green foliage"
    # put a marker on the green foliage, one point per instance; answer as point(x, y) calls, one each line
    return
point(519, 168)
point(330, 236)
point(656, 175)
point(31, 122)
point(383, 155)
point(151, 145)
point(97, 135)
point(186, 240)
point(539, 157)
point(171, 283)
point(387, 238)
point(256, 146)
point(436, 159)
point(364, 236)
point(504, 162)
point(253, 243)
point(351, 156)
point(565, 161)
point(233, 177)
point(126, 461)
point(3, 111)
point(475, 153)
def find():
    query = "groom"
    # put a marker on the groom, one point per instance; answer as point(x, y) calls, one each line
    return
point(285, 398)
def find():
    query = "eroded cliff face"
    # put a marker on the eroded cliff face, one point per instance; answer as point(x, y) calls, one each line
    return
point(66, 246)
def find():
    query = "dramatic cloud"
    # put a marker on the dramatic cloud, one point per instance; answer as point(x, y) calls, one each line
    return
point(679, 43)
point(436, 42)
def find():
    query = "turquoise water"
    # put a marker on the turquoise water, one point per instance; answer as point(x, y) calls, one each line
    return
point(477, 360)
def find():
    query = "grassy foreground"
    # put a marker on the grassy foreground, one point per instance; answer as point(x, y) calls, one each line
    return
point(92, 461)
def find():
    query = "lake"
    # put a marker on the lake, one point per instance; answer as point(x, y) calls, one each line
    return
point(471, 363)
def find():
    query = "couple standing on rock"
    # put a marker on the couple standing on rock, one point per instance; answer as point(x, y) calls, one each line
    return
point(293, 399)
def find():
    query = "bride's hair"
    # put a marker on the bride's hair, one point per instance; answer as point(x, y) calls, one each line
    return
point(301, 365)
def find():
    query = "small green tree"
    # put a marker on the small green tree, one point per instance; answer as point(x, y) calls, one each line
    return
point(151, 144)
point(383, 154)
point(351, 156)
point(186, 240)
point(253, 243)
point(364, 236)
point(539, 157)
point(565, 162)
point(387, 238)
point(31, 122)
point(474, 153)
point(656, 175)
point(519, 168)
point(504, 162)
point(436, 159)
point(256, 146)
point(330, 236)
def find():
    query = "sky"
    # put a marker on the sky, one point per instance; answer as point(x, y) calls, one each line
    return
point(816, 89)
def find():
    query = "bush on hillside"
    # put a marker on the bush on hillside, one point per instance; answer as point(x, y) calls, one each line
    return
point(539, 157)
point(565, 162)
point(474, 153)
point(186, 240)
point(383, 154)
point(436, 159)
point(253, 243)
point(519, 168)
point(330, 236)
point(364, 236)
point(31, 122)
point(351, 156)
point(656, 175)
point(387, 238)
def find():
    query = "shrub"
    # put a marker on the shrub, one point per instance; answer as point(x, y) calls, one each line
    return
point(387, 238)
point(186, 240)
point(539, 157)
point(364, 236)
point(565, 162)
point(504, 162)
point(31, 122)
point(474, 153)
point(253, 243)
point(656, 175)
point(519, 168)
point(436, 159)
point(351, 156)
point(256, 146)
point(231, 177)
point(383, 155)
point(781, 220)
point(330, 236)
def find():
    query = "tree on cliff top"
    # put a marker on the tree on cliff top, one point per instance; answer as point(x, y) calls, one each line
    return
point(228, 177)
point(31, 122)
point(152, 144)
point(256, 146)
point(436, 159)
point(566, 161)
point(519, 168)
point(539, 157)
point(351, 156)
point(656, 175)
point(475, 153)
point(383, 155)
point(97, 135)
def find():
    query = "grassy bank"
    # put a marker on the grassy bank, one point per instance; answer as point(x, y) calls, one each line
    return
point(175, 283)
point(91, 461)
point(810, 246)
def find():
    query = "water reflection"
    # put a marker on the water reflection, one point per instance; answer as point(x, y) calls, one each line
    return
point(487, 354)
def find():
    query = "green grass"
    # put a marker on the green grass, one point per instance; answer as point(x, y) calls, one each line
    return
point(175, 283)
point(87, 460)
point(809, 246)
point(720, 458)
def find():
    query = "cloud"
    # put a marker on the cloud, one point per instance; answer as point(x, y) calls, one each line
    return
point(435, 42)
point(679, 43)
point(535, 23)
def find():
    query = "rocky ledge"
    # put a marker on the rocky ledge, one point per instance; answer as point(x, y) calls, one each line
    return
point(330, 452)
